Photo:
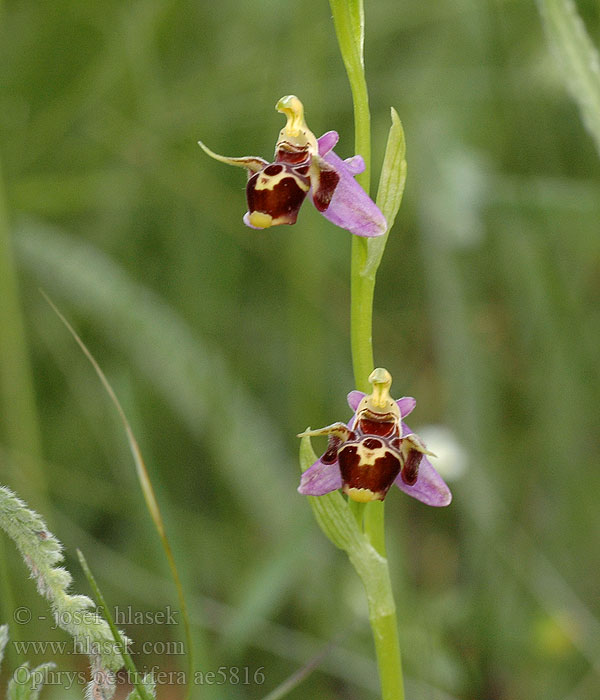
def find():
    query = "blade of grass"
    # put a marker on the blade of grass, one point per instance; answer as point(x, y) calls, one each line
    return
point(466, 373)
point(145, 484)
point(577, 56)
point(178, 363)
point(270, 637)
point(20, 430)
point(134, 676)
point(17, 397)
point(296, 678)
point(341, 664)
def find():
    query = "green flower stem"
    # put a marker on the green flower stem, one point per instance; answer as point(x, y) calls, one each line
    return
point(349, 22)
point(361, 314)
point(348, 17)
point(341, 525)
point(384, 625)
point(374, 525)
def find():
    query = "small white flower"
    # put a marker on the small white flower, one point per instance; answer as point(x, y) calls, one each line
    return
point(450, 458)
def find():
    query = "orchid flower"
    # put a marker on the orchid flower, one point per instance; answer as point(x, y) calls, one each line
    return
point(304, 164)
point(375, 450)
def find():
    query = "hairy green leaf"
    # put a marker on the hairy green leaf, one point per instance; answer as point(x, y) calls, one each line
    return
point(26, 683)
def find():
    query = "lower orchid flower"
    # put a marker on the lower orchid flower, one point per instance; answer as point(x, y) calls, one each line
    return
point(375, 450)
point(306, 165)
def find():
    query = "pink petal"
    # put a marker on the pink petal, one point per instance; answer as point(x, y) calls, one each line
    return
point(320, 479)
point(354, 398)
point(351, 207)
point(430, 488)
point(327, 142)
point(406, 405)
point(355, 165)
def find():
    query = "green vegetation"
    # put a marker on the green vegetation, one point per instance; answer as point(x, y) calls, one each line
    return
point(222, 343)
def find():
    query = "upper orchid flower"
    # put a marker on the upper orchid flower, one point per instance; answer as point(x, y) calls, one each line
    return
point(303, 164)
point(375, 450)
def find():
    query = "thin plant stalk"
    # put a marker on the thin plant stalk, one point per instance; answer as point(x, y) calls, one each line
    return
point(134, 676)
point(348, 18)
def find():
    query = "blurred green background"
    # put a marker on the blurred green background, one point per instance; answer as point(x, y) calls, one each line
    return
point(223, 342)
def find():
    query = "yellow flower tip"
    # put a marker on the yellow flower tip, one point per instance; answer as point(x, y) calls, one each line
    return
point(379, 401)
point(260, 220)
point(381, 380)
point(295, 135)
point(293, 109)
point(362, 495)
point(380, 376)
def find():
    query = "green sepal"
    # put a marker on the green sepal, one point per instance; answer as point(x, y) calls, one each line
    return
point(337, 521)
point(390, 191)
point(252, 163)
point(331, 510)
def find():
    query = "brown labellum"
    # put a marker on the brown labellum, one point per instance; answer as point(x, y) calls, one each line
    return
point(368, 468)
point(277, 192)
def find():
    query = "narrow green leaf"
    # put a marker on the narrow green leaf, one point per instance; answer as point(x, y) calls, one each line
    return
point(176, 361)
point(337, 521)
point(293, 681)
point(331, 511)
point(390, 191)
point(144, 480)
point(17, 394)
point(578, 58)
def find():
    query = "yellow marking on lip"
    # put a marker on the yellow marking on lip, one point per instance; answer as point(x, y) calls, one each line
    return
point(362, 495)
point(368, 456)
point(269, 182)
point(260, 220)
